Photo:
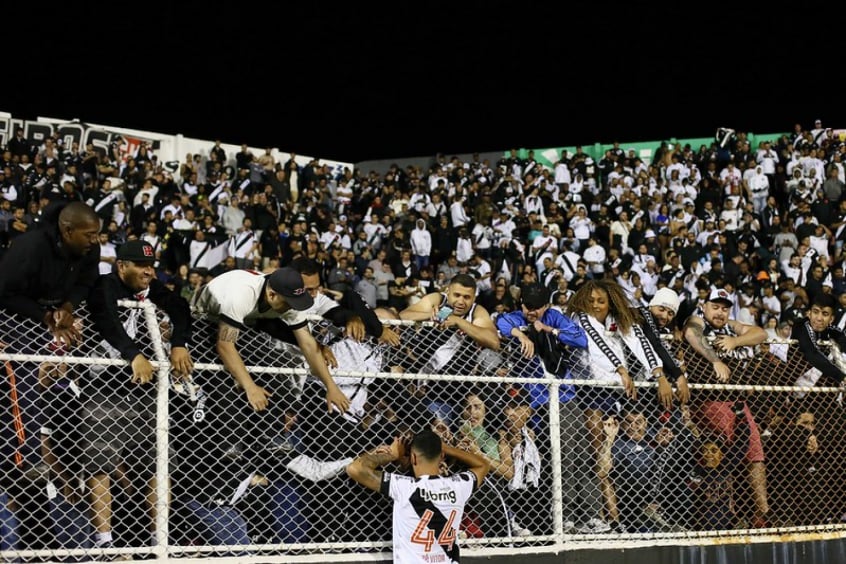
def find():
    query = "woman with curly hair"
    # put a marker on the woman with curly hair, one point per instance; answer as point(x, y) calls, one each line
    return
point(618, 350)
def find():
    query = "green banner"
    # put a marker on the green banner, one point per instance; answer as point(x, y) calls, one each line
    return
point(643, 149)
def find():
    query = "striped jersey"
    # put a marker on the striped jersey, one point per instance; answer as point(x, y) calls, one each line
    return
point(427, 515)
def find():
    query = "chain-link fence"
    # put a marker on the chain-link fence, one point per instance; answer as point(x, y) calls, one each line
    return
point(176, 469)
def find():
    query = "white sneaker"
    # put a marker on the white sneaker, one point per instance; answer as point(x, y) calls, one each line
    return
point(517, 530)
point(569, 527)
point(594, 526)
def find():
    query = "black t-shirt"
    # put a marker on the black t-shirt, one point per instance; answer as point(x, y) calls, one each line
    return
point(793, 314)
point(690, 255)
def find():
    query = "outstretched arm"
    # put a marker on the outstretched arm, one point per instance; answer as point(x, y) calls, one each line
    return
point(334, 396)
point(813, 354)
point(226, 337)
point(747, 336)
point(694, 333)
point(605, 463)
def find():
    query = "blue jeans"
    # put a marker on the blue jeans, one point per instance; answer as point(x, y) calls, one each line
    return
point(9, 525)
point(224, 525)
point(71, 527)
point(286, 506)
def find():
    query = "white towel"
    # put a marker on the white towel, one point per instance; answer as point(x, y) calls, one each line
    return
point(444, 354)
point(527, 463)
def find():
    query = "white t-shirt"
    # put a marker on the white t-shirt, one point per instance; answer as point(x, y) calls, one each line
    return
point(774, 303)
point(237, 297)
point(481, 236)
point(344, 193)
point(107, 250)
point(427, 515)
point(464, 249)
point(483, 268)
point(581, 227)
point(355, 357)
point(562, 173)
point(241, 244)
point(820, 244)
point(595, 256)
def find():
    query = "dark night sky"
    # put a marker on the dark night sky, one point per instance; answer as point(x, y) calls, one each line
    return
point(360, 82)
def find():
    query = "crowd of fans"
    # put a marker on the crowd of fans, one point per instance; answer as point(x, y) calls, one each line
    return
point(764, 225)
point(727, 213)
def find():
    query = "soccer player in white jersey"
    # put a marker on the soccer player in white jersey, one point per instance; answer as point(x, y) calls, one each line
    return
point(427, 507)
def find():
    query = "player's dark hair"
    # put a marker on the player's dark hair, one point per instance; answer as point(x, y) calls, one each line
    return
point(427, 444)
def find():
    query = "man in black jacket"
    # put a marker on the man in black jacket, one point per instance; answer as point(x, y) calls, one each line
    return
point(817, 327)
point(44, 276)
point(134, 278)
point(118, 416)
point(820, 344)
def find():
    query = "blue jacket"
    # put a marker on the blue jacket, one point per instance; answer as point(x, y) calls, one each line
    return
point(569, 334)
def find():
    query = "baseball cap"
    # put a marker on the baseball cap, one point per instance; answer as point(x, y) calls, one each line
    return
point(667, 298)
point(720, 295)
point(289, 284)
point(136, 251)
point(535, 297)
